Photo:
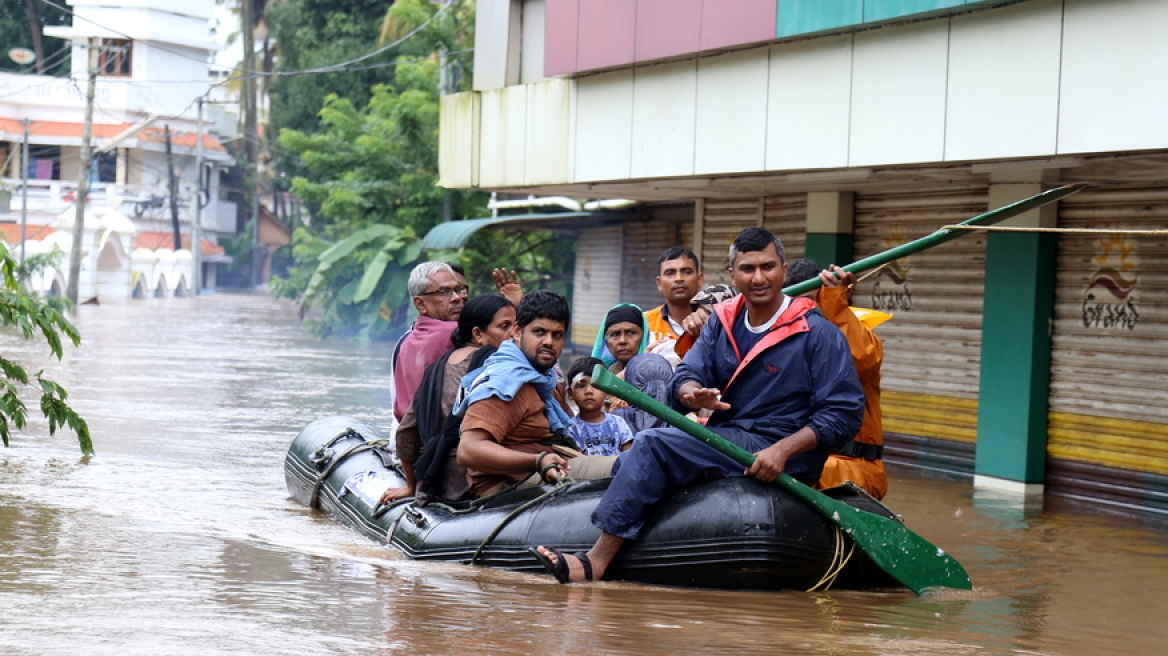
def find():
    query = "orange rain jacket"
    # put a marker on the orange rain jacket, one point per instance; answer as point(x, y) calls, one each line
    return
point(867, 353)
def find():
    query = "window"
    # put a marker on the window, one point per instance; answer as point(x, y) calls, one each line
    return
point(105, 167)
point(44, 162)
point(116, 57)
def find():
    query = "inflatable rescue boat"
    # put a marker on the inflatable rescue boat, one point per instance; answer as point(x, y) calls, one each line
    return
point(730, 533)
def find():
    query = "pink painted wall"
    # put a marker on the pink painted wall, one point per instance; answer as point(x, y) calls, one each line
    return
point(559, 43)
point(607, 30)
point(735, 22)
point(582, 35)
point(666, 28)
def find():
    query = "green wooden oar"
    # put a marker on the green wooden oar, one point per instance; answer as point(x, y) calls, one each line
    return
point(906, 556)
point(947, 234)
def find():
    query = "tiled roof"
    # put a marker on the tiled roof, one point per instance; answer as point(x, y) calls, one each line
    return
point(14, 128)
point(153, 240)
point(10, 232)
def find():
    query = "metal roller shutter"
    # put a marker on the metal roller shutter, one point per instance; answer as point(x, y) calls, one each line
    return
point(1109, 371)
point(786, 216)
point(596, 285)
point(685, 235)
point(723, 220)
point(643, 245)
point(932, 345)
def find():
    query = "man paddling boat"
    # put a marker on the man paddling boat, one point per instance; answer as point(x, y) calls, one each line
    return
point(780, 381)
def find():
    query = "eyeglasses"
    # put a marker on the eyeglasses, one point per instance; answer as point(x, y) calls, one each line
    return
point(447, 292)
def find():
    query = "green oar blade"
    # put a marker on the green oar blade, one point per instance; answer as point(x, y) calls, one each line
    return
point(904, 555)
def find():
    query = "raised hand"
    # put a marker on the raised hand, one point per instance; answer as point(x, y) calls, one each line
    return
point(508, 285)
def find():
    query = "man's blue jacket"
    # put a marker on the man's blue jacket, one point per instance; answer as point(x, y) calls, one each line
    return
point(800, 374)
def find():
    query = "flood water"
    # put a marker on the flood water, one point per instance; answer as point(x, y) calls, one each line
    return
point(178, 537)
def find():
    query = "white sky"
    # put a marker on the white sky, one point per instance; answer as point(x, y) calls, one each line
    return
point(224, 22)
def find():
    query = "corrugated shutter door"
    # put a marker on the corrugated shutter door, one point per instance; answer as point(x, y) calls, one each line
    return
point(786, 216)
point(685, 235)
point(724, 219)
point(1109, 375)
point(596, 283)
point(932, 344)
point(643, 245)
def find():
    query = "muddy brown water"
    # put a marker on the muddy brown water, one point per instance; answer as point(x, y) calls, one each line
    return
point(179, 537)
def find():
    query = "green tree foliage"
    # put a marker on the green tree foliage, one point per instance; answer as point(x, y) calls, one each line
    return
point(543, 260)
point(424, 28)
point(18, 29)
point(311, 34)
point(377, 164)
point(358, 283)
point(370, 170)
point(374, 179)
point(30, 315)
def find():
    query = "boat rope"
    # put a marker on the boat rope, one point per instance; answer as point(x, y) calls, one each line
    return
point(1071, 231)
point(314, 499)
point(560, 486)
point(838, 561)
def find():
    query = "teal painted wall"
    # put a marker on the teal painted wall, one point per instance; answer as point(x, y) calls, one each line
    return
point(803, 17)
point(1014, 383)
point(878, 10)
point(828, 249)
point(799, 17)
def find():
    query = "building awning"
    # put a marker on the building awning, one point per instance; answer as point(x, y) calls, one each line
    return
point(454, 234)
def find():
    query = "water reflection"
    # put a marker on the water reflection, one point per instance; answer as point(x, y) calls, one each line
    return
point(179, 538)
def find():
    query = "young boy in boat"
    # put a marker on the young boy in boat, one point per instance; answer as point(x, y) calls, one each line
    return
point(780, 380)
point(596, 432)
point(512, 418)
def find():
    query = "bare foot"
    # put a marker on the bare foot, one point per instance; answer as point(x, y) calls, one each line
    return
point(575, 567)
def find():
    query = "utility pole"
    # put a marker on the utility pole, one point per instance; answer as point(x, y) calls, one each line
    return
point(445, 83)
point(250, 137)
point(83, 183)
point(24, 191)
point(172, 187)
point(197, 226)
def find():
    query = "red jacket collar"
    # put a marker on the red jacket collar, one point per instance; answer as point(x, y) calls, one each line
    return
point(791, 321)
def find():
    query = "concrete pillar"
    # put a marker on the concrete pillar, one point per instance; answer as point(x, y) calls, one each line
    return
point(1016, 347)
point(829, 227)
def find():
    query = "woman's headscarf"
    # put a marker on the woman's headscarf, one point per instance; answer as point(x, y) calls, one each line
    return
point(651, 374)
point(620, 314)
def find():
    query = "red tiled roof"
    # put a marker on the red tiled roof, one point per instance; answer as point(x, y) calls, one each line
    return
point(11, 232)
point(180, 139)
point(106, 131)
point(154, 240)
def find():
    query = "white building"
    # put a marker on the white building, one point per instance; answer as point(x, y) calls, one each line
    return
point(849, 127)
point(153, 69)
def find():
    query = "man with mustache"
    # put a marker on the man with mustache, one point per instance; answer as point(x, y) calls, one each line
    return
point(780, 380)
point(439, 293)
point(679, 277)
point(513, 413)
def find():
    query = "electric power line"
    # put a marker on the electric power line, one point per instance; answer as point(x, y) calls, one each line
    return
point(331, 68)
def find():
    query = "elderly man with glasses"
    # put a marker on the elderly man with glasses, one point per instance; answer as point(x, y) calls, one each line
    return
point(439, 293)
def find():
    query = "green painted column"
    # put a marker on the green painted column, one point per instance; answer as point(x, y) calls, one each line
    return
point(1016, 344)
point(829, 227)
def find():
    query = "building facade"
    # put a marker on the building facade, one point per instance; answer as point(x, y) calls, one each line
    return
point(146, 131)
point(1029, 359)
